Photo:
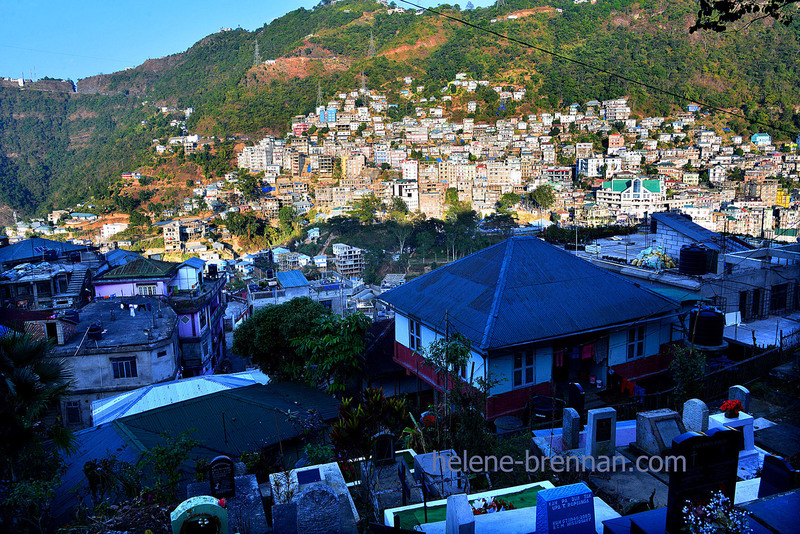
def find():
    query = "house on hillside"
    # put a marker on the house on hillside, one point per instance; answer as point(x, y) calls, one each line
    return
point(535, 316)
point(197, 299)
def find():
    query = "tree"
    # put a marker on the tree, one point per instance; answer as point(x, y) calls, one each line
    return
point(248, 185)
point(688, 370)
point(716, 15)
point(33, 383)
point(333, 349)
point(266, 337)
point(287, 216)
point(543, 197)
point(509, 200)
point(366, 208)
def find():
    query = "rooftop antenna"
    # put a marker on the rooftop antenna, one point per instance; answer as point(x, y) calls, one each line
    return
point(256, 56)
point(371, 49)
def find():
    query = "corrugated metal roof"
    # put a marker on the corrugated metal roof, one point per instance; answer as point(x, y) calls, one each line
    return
point(520, 291)
point(119, 256)
point(695, 232)
point(292, 279)
point(141, 268)
point(196, 263)
point(158, 395)
point(93, 443)
point(231, 421)
point(34, 248)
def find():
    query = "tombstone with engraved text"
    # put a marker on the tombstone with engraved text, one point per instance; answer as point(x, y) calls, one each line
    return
point(221, 472)
point(565, 510)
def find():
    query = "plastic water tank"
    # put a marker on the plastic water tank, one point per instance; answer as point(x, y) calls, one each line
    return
point(708, 325)
point(694, 260)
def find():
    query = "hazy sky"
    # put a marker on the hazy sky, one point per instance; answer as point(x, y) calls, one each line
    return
point(80, 38)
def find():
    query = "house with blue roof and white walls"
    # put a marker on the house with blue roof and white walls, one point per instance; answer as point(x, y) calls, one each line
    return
point(535, 317)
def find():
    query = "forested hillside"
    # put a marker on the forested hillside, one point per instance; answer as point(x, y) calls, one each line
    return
point(56, 148)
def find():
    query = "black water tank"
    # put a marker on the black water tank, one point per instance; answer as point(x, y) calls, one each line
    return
point(270, 274)
point(212, 271)
point(707, 325)
point(95, 332)
point(50, 255)
point(694, 260)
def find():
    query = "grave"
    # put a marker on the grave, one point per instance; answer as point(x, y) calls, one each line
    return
point(565, 510)
point(433, 469)
point(389, 486)
point(383, 448)
point(601, 432)
point(221, 474)
point(576, 397)
point(199, 515)
point(711, 462)
point(571, 429)
point(245, 508)
point(695, 415)
point(777, 476)
point(742, 394)
point(656, 429)
point(317, 509)
point(743, 424)
point(459, 516)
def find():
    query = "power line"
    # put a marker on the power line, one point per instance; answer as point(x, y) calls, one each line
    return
point(598, 69)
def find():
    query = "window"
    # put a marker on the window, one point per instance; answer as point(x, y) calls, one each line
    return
point(73, 412)
point(161, 353)
point(636, 342)
point(523, 369)
point(203, 320)
point(147, 289)
point(414, 335)
point(778, 297)
point(124, 367)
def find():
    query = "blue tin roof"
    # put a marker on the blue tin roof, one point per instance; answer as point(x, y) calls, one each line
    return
point(520, 291)
point(34, 248)
point(292, 279)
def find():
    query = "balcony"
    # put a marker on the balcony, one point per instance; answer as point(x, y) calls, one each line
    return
point(185, 301)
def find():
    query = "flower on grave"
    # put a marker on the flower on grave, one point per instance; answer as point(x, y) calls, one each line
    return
point(731, 407)
point(221, 503)
point(490, 505)
point(716, 516)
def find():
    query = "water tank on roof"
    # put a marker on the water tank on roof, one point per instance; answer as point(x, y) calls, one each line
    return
point(270, 274)
point(95, 332)
point(707, 325)
point(694, 260)
point(50, 255)
point(212, 271)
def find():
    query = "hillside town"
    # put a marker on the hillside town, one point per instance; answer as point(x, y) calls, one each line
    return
point(442, 311)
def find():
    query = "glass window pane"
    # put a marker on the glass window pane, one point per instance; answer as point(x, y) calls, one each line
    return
point(529, 359)
point(517, 360)
point(529, 375)
point(517, 378)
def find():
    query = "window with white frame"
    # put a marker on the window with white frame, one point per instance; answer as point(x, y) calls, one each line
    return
point(414, 335)
point(523, 374)
point(636, 342)
point(147, 289)
point(124, 367)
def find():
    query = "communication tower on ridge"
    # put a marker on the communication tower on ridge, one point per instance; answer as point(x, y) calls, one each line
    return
point(371, 50)
point(256, 56)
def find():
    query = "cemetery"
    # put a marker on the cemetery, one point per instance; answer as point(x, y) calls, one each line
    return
point(724, 469)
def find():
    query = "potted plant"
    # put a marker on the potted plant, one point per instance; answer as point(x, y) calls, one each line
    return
point(731, 408)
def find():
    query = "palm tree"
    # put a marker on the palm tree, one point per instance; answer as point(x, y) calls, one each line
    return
point(31, 384)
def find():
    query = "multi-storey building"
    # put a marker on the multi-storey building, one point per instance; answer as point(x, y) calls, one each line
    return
point(349, 260)
point(634, 197)
point(197, 299)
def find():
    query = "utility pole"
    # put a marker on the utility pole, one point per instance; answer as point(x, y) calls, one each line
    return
point(363, 83)
point(371, 49)
point(256, 56)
